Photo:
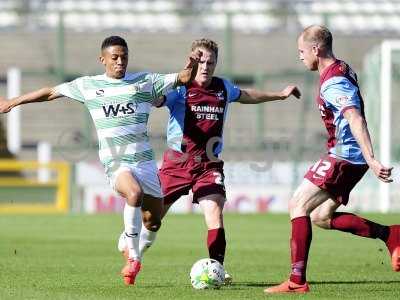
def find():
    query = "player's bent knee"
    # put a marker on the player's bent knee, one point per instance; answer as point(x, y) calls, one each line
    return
point(291, 205)
point(296, 206)
point(134, 197)
point(155, 226)
point(152, 225)
point(298, 209)
point(320, 221)
point(214, 215)
point(213, 218)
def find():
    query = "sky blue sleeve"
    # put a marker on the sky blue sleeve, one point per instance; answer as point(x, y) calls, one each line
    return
point(233, 92)
point(339, 93)
point(172, 97)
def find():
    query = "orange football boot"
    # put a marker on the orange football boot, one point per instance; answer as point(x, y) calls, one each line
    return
point(288, 287)
point(130, 271)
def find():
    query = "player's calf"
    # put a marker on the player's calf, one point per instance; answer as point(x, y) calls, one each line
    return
point(396, 259)
point(393, 245)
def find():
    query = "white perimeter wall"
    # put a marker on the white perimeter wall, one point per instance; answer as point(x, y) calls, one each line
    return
point(251, 188)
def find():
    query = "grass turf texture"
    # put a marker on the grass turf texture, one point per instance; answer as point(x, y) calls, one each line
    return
point(75, 257)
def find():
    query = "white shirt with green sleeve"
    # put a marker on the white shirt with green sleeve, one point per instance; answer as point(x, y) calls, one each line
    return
point(120, 110)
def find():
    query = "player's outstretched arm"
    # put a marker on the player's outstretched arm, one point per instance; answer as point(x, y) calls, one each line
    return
point(189, 72)
point(43, 94)
point(252, 96)
point(359, 129)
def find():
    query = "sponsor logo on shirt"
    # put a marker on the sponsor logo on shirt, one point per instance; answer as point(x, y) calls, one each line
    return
point(207, 108)
point(119, 110)
point(206, 112)
point(100, 93)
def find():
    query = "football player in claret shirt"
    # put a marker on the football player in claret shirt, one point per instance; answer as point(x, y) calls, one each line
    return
point(197, 114)
point(119, 104)
point(327, 184)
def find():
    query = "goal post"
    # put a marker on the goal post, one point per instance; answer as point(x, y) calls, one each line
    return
point(380, 83)
point(14, 116)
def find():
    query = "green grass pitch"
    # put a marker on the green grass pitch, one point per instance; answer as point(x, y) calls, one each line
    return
point(75, 257)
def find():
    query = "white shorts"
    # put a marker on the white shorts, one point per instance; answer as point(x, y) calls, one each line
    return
point(146, 173)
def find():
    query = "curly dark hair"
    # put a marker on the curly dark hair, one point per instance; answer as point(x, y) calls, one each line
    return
point(113, 40)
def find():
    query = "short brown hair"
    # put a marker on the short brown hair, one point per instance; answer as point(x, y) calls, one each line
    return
point(207, 44)
point(319, 35)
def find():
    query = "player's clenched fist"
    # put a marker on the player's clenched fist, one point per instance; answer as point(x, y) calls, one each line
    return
point(193, 59)
point(189, 72)
point(383, 173)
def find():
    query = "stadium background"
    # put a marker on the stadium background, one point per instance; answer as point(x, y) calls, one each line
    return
point(267, 148)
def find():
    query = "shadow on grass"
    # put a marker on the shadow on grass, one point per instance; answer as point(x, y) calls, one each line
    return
point(267, 284)
point(355, 282)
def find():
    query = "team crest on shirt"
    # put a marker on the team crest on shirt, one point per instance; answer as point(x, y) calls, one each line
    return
point(342, 100)
point(220, 96)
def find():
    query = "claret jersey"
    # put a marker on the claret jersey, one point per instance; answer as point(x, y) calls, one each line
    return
point(197, 116)
point(339, 91)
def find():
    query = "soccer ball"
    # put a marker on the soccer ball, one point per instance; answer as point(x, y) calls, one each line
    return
point(207, 273)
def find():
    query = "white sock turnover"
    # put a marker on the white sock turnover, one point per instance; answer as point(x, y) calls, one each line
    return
point(133, 224)
point(147, 238)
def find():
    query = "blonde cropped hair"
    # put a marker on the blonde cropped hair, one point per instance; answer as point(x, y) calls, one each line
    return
point(207, 44)
point(318, 34)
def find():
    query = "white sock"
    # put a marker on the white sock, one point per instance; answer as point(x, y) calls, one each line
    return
point(122, 242)
point(147, 238)
point(133, 224)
